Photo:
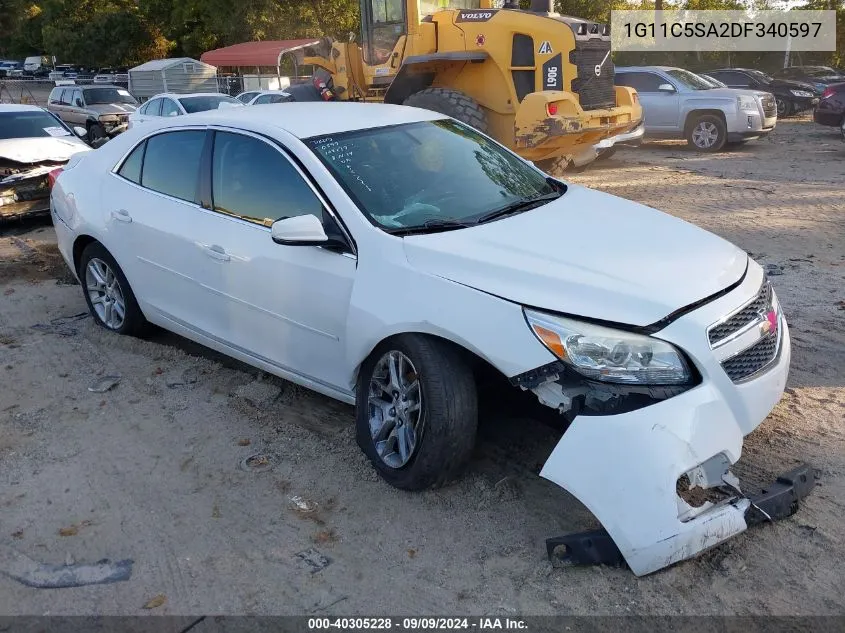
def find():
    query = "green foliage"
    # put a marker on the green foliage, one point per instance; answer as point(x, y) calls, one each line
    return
point(126, 32)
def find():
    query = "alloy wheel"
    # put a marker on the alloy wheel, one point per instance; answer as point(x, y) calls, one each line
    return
point(105, 293)
point(705, 135)
point(395, 409)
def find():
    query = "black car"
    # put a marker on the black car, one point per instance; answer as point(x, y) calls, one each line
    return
point(820, 77)
point(831, 107)
point(791, 96)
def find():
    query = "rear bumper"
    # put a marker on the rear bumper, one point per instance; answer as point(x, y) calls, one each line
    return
point(571, 131)
point(828, 117)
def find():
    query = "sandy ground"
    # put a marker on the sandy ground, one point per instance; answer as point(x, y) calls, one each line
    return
point(153, 470)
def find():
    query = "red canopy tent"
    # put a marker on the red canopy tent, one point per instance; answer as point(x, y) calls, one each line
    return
point(255, 54)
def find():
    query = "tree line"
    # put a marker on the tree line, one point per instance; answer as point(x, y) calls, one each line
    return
point(95, 33)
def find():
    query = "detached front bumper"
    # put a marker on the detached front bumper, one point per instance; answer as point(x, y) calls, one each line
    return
point(626, 468)
point(25, 193)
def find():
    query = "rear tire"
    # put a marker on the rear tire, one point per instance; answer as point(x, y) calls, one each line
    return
point(107, 292)
point(451, 103)
point(707, 133)
point(442, 434)
point(842, 128)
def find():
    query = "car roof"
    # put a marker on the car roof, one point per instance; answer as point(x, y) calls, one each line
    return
point(177, 95)
point(19, 107)
point(312, 118)
point(646, 68)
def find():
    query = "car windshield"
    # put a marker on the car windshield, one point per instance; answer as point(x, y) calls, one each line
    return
point(432, 175)
point(821, 71)
point(207, 102)
point(32, 124)
point(760, 76)
point(690, 80)
point(94, 96)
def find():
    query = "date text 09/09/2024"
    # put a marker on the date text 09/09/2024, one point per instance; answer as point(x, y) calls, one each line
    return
point(418, 624)
point(722, 29)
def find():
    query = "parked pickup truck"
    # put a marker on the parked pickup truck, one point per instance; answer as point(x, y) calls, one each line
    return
point(680, 104)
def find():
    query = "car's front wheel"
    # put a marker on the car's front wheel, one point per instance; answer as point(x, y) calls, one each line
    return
point(707, 133)
point(842, 128)
point(416, 411)
point(107, 293)
point(785, 107)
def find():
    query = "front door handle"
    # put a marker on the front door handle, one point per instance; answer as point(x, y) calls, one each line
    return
point(215, 251)
point(121, 215)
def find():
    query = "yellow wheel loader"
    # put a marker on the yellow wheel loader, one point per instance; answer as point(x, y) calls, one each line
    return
point(538, 82)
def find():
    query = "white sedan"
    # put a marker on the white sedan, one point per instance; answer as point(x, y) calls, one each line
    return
point(170, 105)
point(380, 254)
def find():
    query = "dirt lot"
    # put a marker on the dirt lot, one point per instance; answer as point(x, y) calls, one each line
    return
point(153, 471)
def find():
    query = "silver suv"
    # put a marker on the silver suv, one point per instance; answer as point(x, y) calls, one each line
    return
point(102, 110)
point(680, 104)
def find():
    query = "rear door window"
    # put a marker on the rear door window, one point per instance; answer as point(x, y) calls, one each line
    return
point(152, 108)
point(131, 168)
point(171, 163)
point(640, 81)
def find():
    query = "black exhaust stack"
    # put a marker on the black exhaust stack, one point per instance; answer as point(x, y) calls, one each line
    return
point(543, 6)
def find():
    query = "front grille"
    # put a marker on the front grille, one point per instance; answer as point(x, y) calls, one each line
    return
point(770, 107)
point(594, 92)
point(752, 360)
point(748, 314)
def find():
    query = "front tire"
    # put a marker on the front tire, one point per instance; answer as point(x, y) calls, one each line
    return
point(707, 133)
point(785, 108)
point(96, 133)
point(451, 103)
point(416, 411)
point(107, 293)
point(842, 128)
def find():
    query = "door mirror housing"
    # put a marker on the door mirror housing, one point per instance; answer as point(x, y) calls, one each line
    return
point(667, 88)
point(79, 103)
point(80, 131)
point(301, 230)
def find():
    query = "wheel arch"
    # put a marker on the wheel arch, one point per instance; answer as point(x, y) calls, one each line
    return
point(692, 115)
point(418, 72)
point(474, 358)
point(79, 245)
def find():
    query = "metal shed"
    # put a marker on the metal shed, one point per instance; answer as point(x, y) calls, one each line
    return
point(180, 75)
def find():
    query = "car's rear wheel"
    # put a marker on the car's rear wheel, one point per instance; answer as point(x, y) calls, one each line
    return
point(416, 411)
point(785, 107)
point(842, 128)
point(107, 293)
point(707, 133)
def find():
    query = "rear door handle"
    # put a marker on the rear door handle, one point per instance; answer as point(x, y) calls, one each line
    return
point(215, 251)
point(121, 215)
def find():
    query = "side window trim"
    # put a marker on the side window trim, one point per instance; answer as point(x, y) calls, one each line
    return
point(287, 155)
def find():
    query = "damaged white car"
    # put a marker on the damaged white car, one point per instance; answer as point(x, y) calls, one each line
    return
point(380, 254)
point(33, 143)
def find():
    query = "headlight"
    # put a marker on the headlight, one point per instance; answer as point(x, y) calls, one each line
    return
point(801, 93)
point(746, 103)
point(602, 353)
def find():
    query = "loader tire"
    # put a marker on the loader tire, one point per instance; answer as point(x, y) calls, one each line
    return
point(451, 103)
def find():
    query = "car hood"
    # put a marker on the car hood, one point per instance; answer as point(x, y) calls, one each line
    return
point(791, 85)
point(112, 108)
point(586, 254)
point(37, 150)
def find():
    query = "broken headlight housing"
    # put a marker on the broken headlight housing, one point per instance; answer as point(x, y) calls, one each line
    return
point(610, 355)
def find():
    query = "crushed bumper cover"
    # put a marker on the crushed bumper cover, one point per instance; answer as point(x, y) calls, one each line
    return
point(777, 501)
point(629, 467)
point(26, 192)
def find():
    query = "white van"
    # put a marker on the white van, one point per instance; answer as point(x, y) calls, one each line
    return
point(37, 65)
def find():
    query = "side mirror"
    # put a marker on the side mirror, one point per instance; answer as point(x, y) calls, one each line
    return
point(301, 230)
point(80, 131)
point(667, 88)
point(79, 103)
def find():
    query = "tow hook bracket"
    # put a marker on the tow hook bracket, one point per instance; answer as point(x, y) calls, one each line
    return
point(780, 500)
point(584, 548)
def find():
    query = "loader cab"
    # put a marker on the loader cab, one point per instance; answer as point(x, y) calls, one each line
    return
point(383, 22)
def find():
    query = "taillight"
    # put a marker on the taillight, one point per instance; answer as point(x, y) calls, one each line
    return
point(828, 92)
point(53, 175)
point(551, 108)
